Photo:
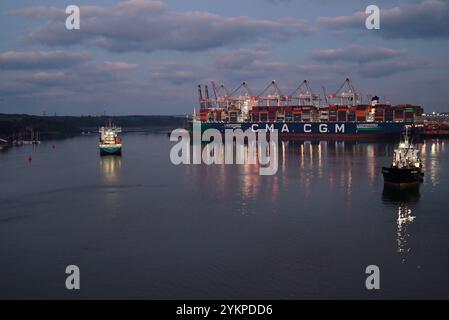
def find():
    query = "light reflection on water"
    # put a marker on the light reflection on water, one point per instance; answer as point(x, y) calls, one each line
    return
point(345, 163)
point(405, 202)
point(110, 167)
point(332, 161)
point(311, 229)
point(430, 150)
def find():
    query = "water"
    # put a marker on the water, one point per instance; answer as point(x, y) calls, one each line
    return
point(140, 227)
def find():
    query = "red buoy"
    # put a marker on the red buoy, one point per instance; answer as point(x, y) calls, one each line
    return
point(30, 158)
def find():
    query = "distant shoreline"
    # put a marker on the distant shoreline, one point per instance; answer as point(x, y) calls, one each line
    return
point(21, 125)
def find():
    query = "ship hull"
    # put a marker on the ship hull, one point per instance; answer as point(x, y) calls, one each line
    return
point(402, 178)
point(317, 130)
point(110, 150)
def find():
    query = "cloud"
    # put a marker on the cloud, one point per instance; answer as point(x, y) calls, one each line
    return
point(279, 1)
point(257, 66)
point(180, 73)
point(82, 80)
point(388, 68)
point(356, 20)
point(13, 60)
point(357, 53)
point(426, 19)
point(48, 76)
point(139, 6)
point(118, 66)
point(251, 61)
point(134, 7)
point(240, 58)
point(246, 64)
point(144, 25)
point(369, 62)
point(39, 12)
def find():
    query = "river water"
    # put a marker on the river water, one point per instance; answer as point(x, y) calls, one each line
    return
point(138, 226)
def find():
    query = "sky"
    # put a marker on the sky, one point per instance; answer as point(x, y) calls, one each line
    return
point(148, 56)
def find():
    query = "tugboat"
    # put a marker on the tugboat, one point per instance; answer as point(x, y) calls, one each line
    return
point(406, 168)
point(110, 143)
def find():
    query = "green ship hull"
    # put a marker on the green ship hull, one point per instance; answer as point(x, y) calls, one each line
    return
point(110, 150)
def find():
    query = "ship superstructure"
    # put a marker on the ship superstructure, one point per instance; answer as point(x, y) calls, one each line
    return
point(110, 143)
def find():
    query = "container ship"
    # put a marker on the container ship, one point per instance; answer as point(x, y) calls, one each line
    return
point(110, 143)
point(304, 115)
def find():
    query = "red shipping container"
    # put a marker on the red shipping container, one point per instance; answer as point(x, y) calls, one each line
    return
point(398, 114)
point(272, 109)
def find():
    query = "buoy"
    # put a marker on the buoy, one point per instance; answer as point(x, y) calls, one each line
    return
point(53, 146)
point(30, 158)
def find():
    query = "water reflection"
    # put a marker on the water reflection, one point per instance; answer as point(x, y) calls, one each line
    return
point(404, 201)
point(110, 167)
point(304, 167)
point(430, 151)
point(310, 170)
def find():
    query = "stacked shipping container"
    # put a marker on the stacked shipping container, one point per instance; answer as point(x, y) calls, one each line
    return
point(332, 113)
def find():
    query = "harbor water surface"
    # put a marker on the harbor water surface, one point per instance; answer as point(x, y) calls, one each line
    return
point(140, 227)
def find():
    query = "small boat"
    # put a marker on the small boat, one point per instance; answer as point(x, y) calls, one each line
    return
point(406, 168)
point(34, 139)
point(4, 144)
point(110, 143)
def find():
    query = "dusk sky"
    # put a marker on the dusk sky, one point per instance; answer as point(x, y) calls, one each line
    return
point(148, 56)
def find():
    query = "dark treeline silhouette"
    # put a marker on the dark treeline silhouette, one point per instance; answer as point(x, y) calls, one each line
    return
point(60, 126)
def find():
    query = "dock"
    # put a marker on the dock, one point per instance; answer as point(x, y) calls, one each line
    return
point(436, 127)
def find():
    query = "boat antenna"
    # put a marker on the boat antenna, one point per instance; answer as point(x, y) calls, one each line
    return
point(408, 141)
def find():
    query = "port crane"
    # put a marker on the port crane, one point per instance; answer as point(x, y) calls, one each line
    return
point(208, 101)
point(201, 99)
point(243, 99)
point(346, 94)
point(205, 101)
point(272, 95)
point(241, 95)
point(305, 95)
point(221, 95)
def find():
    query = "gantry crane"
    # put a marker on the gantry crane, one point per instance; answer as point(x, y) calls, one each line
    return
point(305, 95)
point(272, 94)
point(346, 94)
